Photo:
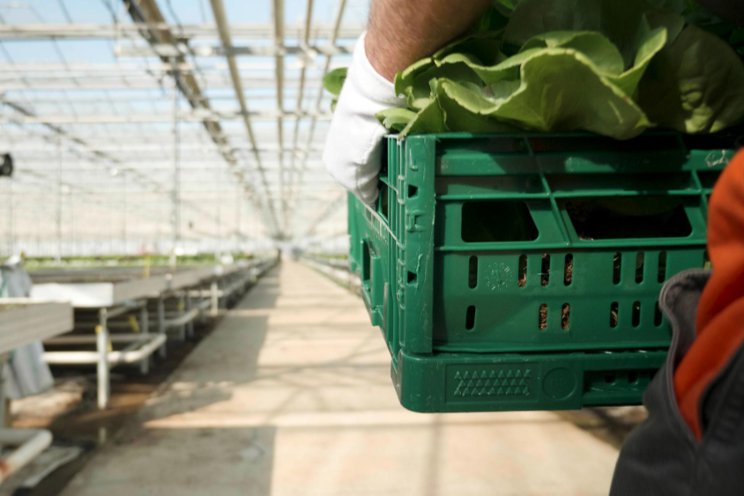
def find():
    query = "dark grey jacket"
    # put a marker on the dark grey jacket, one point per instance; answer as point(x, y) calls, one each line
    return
point(661, 456)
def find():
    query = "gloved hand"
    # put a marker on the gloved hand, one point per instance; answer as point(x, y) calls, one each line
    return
point(354, 143)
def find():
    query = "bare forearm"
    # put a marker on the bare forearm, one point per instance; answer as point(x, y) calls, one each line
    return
point(403, 31)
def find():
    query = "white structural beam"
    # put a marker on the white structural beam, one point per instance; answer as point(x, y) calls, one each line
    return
point(198, 115)
point(113, 121)
point(62, 133)
point(134, 50)
point(138, 147)
point(309, 4)
point(334, 35)
point(148, 12)
point(218, 10)
point(81, 31)
point(277, 14)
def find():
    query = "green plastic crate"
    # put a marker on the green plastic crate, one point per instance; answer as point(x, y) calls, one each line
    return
point(521, 272)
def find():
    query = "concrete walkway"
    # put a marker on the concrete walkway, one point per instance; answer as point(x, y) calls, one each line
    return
point(291, 396)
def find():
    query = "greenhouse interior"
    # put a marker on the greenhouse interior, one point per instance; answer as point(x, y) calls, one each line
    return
point(371, 247)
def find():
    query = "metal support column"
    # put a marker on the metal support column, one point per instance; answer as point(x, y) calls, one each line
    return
point(181, 310)
point(145, 330)
point(214, 293)
point(161, 325)
point(3, 411)
point(102, 347)
point(189, 308)
point(176, 193)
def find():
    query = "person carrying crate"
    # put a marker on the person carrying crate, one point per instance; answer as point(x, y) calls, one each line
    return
point(692, 442)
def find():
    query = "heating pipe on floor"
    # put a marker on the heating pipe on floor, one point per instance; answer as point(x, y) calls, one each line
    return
point(30, 443)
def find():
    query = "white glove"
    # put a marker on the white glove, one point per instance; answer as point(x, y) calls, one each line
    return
point(354, 143)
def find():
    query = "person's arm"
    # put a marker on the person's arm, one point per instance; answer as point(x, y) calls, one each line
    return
point(400, 32)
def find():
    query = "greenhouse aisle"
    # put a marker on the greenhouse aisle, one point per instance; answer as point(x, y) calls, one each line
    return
point(291, 395)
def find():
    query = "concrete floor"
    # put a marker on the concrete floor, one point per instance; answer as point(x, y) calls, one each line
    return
point(291, 395)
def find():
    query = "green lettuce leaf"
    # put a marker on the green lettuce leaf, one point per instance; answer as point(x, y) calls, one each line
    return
point(430, 119)
point(595, 46)
point(506, 70)
point(414, 82)
point(484, 47)
point(560, 90)
point(652, 43)
point(459, 118)
point(396, 119)
point(534, 17)
point(625, 23)
point(496, 17)
point(695, 85)
point(333, 81)
point(606, 66)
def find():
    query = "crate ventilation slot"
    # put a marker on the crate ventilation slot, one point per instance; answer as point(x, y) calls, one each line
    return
point(658, 316)
point(542, 317)
point(640, 263)
point(565, 316)
point(636, 317)
point(470, 318)
point(545, 270)
point(568, 267)
point(617, 265)
point(473, 272)
point(614, 314)
point(661, 274)
point(522, 271)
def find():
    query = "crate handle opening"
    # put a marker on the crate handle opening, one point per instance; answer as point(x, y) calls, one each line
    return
point(579, 144)
point(497, 221)
point(628, 217)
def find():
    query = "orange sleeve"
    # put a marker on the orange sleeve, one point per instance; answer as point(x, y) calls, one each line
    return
point(720, 317)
